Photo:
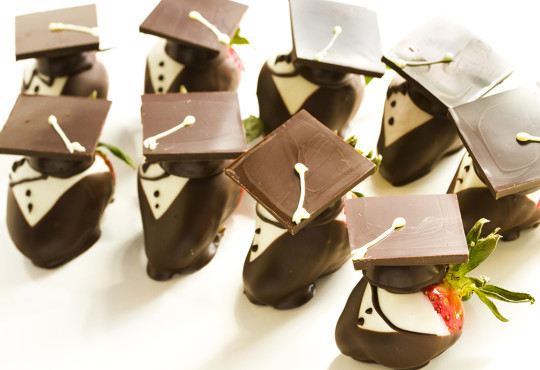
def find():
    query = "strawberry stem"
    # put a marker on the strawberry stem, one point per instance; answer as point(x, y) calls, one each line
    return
point(479, 251)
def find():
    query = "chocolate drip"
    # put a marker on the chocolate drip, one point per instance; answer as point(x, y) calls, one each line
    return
point(396, 350)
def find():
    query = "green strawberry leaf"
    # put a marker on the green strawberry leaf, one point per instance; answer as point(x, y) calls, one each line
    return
point(117, 152)
point(237, 39)
point(254, 128)
point(368, 79)
point(358, 194)
point(479, 252)
point(352, 141)
point(474, 234)
point(504, 295)
point(93, 95)
point(490, 305)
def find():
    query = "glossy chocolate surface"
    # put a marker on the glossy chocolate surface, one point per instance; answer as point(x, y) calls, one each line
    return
point(511, 213)
point(488, 128)
point(284, 275)
point(27, 131)
point(69, 228)
point(357, 49)
point(397, 350)
point(186, 237)
point(476, 68)
point(33, 39)
point(170, 20)
point(218, 132)
point(202, 71)
point(433, 233)
point(267, 170)
point(415, 153)
point(334, 102)
point(404, 279)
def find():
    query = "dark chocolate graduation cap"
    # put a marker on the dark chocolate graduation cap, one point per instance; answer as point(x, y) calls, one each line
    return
point(269, 170)
point(174, 20)
point(427, 230)
point(47, 126)
point(193, 126)
point(473, 67)
point(337, 37)
point(489, 128)
point(34, 37)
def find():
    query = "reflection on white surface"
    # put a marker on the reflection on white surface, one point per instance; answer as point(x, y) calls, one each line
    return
point(102, 311)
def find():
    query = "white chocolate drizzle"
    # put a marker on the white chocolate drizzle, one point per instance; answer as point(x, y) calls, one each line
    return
point(71, 146)
point(222, 37)
point(321, 54)
point(448, 57)
point(58, 26)
point(301, 212)
point(151, 142)
point(359, 253)
point(524, 137)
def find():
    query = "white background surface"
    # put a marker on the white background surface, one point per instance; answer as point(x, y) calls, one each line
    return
point(102, 311)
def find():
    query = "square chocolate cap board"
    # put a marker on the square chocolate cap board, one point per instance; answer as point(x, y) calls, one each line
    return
point(217, 133)
point(267, 171)
point(475, 68)
point(336, 37)
point(432, 233)
point(30, 132)
point(170, 19)
point(34, 39)
point(488, 128)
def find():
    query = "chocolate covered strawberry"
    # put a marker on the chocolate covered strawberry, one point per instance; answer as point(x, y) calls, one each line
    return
point(195, 55)
point(402, 314)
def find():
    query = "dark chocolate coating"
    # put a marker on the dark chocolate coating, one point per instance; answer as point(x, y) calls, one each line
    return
point(203, 71)
point(283, 276)
point(511, 213)
point(186, 237)
point(70, 227)
point(334, 104)
point(414, 154)
point(86, 74)
point(397, 350)
point(404, 279)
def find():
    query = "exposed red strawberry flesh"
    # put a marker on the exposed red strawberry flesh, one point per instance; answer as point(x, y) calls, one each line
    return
point(447, 304)
point(233, 56)
point(109, 164)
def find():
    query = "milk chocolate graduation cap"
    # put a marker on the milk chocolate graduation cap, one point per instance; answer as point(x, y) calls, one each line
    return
point(57, 127)
point(193, 126)
point(336, 37)
point(499, 132)
point(56, 33)
point(447, 62)
point(409, 230)
point(204, 24)
point(299, 170)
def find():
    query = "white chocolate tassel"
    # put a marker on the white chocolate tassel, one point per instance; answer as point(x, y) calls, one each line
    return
point(301, 212)
point(223, 38)
point(71, 146)
point(361, 252)
point(321, 54)
point(151, 142)
point(524, 137)
point(58, 26)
